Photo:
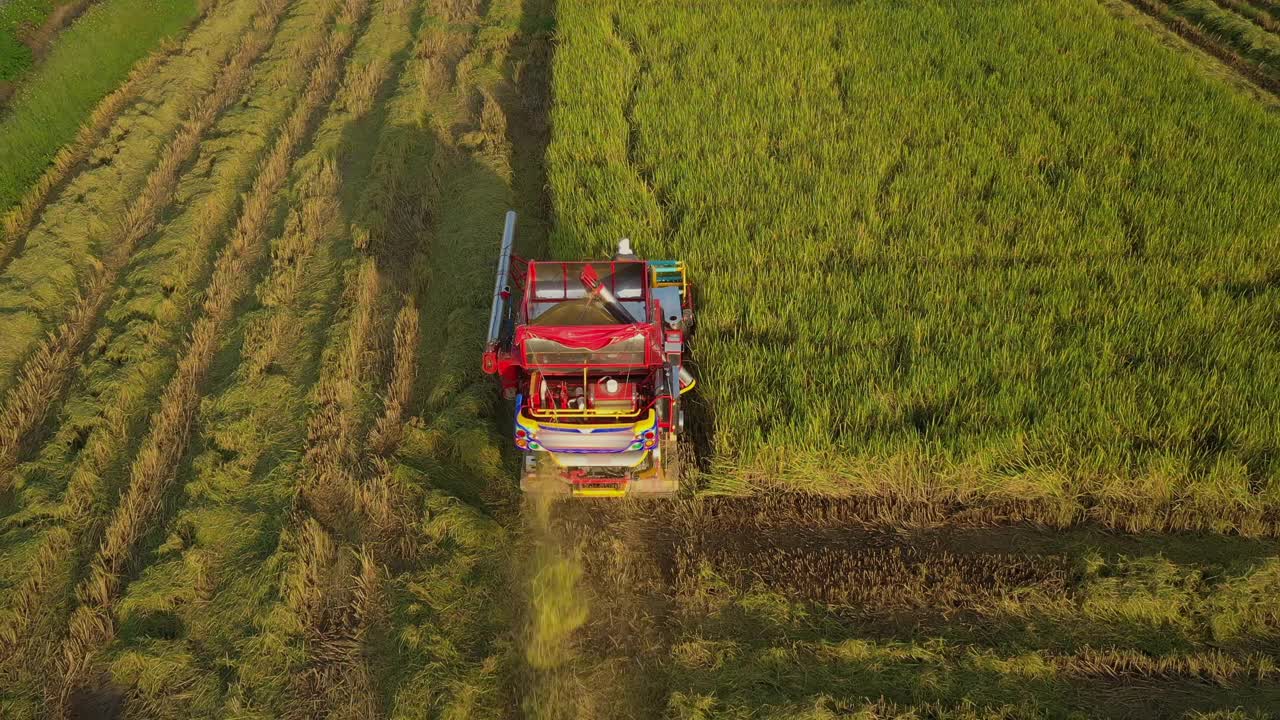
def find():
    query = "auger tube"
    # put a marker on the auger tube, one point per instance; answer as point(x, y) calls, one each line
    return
point(614, 307)
point(501, 286)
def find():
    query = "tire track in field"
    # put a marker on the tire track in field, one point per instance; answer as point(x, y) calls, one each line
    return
point(91, 624)
point(45, 376)
point(88, 495)
point(717, 583)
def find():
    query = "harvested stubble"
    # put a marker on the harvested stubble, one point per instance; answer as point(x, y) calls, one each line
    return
point(878, 580)
point(1258, 15)
point(1210, 42)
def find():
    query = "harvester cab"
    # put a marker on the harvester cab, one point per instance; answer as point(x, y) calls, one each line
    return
point(592, 353)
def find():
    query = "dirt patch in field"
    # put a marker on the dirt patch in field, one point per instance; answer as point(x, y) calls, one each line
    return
point(822, 550)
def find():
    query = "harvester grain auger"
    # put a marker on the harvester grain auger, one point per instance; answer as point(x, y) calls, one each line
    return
point(592, 353)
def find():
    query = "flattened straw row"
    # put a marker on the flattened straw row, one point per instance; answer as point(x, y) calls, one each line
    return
point(329, 484)
point(109, 438)
point(28, 598)
point(384, 507)
point(170, 426)
point(102, 450)
point(335, 592)
point(389, 428)
point(306, 224)
point(153, 468)
point(44, 376)
point(1213, 666)
point(348, 489)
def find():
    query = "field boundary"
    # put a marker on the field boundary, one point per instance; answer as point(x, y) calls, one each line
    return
point(1198, 39)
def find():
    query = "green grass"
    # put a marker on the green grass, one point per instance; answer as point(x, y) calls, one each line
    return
point(15, 17)
point(85, 63)
point(938, 251)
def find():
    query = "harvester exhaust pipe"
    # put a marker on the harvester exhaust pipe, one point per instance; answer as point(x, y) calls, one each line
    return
point(502, 284)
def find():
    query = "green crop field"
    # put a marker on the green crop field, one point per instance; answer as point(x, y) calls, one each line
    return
point(950, 259)
point(987, 423)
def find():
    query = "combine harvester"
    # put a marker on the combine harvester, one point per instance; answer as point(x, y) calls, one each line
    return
point(591, 352)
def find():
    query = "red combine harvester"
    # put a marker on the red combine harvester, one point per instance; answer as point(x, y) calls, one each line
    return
point(592, 354)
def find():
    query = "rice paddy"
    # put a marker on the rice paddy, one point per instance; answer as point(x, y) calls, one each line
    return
point(950, 260)
point(986, 421)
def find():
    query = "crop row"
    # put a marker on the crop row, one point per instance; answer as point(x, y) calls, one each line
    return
point(353, 500)
point(1240, 33)
point(125, 373)
point(311, 281)
point(71, 237)
point(18, 220)
point(165, 443)
point(44, 377)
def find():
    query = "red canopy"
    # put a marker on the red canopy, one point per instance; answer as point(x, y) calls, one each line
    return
point(587, 337)
point(636, 344)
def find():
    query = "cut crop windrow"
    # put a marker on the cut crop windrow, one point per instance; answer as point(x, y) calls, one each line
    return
point(386, 433)
point(89, 493)
point(1210, 43)
point(45, 375)
point(77, 226)
point(292, 310)
point(352, 495)
point(91, 624)
point(1243, 32)
point(332, 601)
